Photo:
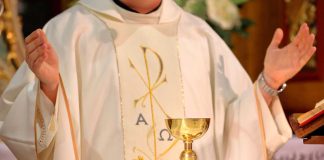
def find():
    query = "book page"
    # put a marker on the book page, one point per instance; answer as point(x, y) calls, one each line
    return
point(320, 103)
point(311, 115)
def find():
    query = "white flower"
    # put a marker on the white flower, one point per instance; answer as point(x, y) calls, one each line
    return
point(224, 13)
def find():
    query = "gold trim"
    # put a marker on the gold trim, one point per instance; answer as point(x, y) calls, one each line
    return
point(151, 102)
point(35, 129)
point(261, 123)
point(159, 81)
point(141, 151)
point(72, 131)
point(169, 148)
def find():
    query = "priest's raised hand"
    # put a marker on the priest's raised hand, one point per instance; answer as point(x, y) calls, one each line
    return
point(281, 64)
point(42, 60)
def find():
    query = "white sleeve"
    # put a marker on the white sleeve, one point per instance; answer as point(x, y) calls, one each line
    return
point(243, 133)
point(17, 108)
point(276, 125)
point(48, 121)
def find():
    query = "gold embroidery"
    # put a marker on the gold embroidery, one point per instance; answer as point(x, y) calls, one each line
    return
point(139, 158)
point(158, 82)
point(135, 149)
point(151, 101)
point(169, 148)
point(151, 87)
point(120, 51)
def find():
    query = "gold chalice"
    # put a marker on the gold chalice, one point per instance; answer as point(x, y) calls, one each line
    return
point(188, 130)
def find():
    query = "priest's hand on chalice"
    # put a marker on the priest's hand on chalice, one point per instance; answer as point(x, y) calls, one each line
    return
point(42, 60)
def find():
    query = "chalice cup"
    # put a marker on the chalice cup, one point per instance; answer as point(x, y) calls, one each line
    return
point(188, 130)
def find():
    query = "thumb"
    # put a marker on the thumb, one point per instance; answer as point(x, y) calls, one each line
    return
point(277, 38)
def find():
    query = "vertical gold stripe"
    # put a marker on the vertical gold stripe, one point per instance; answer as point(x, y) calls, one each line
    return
point(67, 106)
point(179, 64)
point(35, 129)
point(261, 124)
point(151, 101)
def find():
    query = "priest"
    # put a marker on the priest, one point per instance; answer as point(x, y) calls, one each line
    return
point(102, 77)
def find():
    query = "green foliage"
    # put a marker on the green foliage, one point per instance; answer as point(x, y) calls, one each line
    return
point(245, 24)
point(239, 2)
point(181, 3)
point(199, 8)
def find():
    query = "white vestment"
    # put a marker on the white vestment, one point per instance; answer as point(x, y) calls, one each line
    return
point(214, 85)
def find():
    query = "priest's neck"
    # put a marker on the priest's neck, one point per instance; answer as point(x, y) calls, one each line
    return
point(139, 6)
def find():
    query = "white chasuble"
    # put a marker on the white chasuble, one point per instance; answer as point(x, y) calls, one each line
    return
point(122, 80)
point(151, 88)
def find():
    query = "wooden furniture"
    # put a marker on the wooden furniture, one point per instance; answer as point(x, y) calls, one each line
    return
point(312, 133)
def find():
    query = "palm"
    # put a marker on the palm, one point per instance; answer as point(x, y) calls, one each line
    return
point(281, 64)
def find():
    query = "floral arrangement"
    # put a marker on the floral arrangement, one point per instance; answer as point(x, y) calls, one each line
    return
point(222, 15)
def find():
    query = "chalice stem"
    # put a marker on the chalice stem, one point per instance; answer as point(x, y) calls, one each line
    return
point(188, 145)
point(188, 153)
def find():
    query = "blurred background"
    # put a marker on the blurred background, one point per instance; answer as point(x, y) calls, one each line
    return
point(247, 27)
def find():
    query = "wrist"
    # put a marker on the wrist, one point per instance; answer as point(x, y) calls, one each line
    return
point(270, 90)
point(50, 90)
point(270, 81)
point(46, 87)
point(49, 87)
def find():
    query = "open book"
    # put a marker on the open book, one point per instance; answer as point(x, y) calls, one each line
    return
point(311, 115)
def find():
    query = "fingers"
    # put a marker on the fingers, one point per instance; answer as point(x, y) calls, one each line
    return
point(308, 50)
point(303, 44)
point(40, 52)
point(277, 38)
point(304, 41)
point(38, 62)
point(36, 48)
point(305, 58)
point(34, 40)
point(309, 43)
point(301, 33)
point(31, 46)
point(33, 36)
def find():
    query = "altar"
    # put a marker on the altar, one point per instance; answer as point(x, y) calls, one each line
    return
point(296, 150)
point(293, 150)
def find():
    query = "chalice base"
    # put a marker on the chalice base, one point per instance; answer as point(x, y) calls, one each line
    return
point(188, 155)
